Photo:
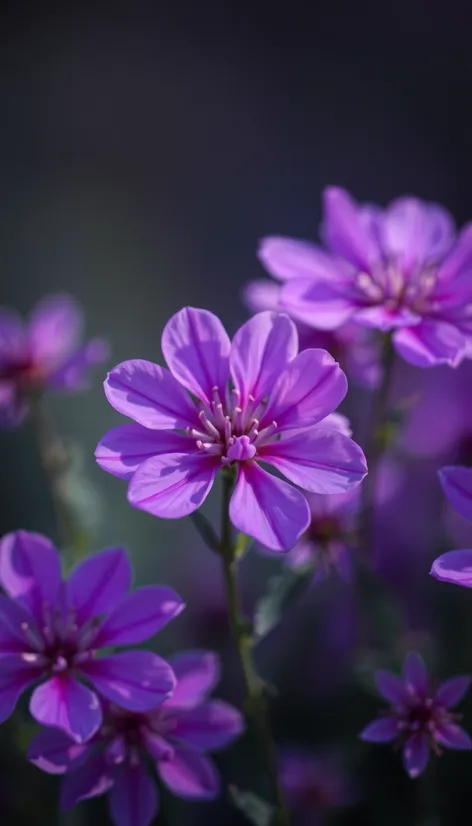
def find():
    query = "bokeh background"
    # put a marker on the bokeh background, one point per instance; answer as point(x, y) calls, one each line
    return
point(144, 150)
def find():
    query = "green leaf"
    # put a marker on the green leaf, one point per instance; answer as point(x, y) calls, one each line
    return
point(257, 810)
point(283, 592)
point(206, 530)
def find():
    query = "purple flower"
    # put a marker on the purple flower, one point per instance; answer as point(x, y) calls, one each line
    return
point(52, 630)
point(174, 736)
point(419, 719)
point(398, 269)
point(456, 566)
point(47, 352)
point(324, 544)
point(314, 786)
point(226, 404)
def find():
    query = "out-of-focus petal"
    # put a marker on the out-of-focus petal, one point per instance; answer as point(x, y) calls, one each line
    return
point(382, 730)
point(54, 329)
point(430, 343)
point(415, 676)
point(459, 260)
point(14, 345)
point(196, 348)
point(457, 485)
point(173, 485)
point(452, 691)
point(95, 777)
point(321, 304)
point(197, 673)
point(63, 703)
point(452, 736)
point(416, 234)
point(98, 583)
point(16, 675)
point(54, 752)
point(391, 687)
point(416, 755)
point(260, 350)
point(190, 775)
point(139, 616)
point(150, 395)
point(455, 567)
point(287, 258)
point(30, 570)
point(19, 631)
point(262, 295)
point(73, 374)
point(212, 725)
point(133, 799)
point(345, 230)
point(270, 510)
point(385, 319)
point(135, 680)
point(124, 448)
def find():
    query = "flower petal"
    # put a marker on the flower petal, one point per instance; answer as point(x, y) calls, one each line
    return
point(196, 348)
point(318, 460)
point(416, 234)
point(430, 343)
point(14, 345)
point(416, 754)
point(139, 616)
point(346, 230)
point(190, 775)
point(16, 675)
point(63, 703)
point(452, 691)
point(415, 676)
point(150, 395)
point(93, 778)
point(97, 584)
point(173, 485)
point(391, 687)
point(197, 673)
point(382, 730)
point(133, 799)
point(13, 405)
point(19, 631)
point(212, 725)
point(267, 508)
point(124, 448)
point(54, 329)
point(452, 736)
point(457, 485)
point(135, 680)
point(455, 567)
point(287, 258)
point(30, 570)
point(307, 391)
point(459, 260)
point(73, 374)
point(54, 752)
point(321, 304)
point(262, 295)
point(261, 348)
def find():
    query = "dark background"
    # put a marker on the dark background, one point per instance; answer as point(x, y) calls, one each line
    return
point(144, 149)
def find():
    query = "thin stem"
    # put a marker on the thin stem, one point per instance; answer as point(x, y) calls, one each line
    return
point(255, 700)
point(375, 444)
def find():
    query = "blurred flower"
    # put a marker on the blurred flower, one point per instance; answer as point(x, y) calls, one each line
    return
point(175, 737)
point(325, 544)
point(398, 269)
point(52, 630)
point(253, 399)
point(46, 353)
point(314, 785)
point(456, 566)
point(356, 348)
point(419, 719)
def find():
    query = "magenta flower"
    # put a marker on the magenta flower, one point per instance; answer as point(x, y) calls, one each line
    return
point(419, 719)
point(314, 785)
point(324, 544)
point(45, 353)
point(398, 269)
point(456, 566)
point(52, 630)
point(233, 404)
point(174, 737)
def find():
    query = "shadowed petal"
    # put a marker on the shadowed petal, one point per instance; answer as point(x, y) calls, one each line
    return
point(54, 752)
point(322, 304)
point(210, 726)
point(456, 483)
point(196, 348)
point(190, 775)
point(345, 229)
point(30, 570)
point(197, 673)
point(16, 675)
point(63, 703)
point(261, 348)
point(73, 374)
point(455, 567)
point(308, 390)
point(97, 584)
point(452, 691)
point(415, 233)
point(452, 736)
point(139, 616)
point(18, 628)
point(135, 680)
point(173, 485)
point(380, 731)
point(416, 754)
point(287, 258)
point(55, 328)
point(391, 687)
point(124, 448)
point(430, 343)
point(133, 799)
point(414, 674)
point(267, 508)
point(92, 779)
point(318, 460)
point(150, 395)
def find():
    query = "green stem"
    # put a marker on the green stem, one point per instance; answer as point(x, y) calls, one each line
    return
point(255, 700)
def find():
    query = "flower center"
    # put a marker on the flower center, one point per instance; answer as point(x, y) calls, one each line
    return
point(231, 431)
point(23, 372)
point(394, 288)
point(58, 644)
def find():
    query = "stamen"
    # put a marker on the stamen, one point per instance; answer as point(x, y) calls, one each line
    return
point(215, 395)
point(34, 638)
point(219, 416)
point(238, 418)
point(209, 426)
point(253, 430)
point(228, 429)
point(266, 433)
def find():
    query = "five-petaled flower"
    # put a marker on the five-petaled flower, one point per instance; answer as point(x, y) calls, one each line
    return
point(398, 269)
point(314, 786)
point(174, 736)
point(52, 630)
point(234, 404)
point(47, 353)
point(419, 718)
